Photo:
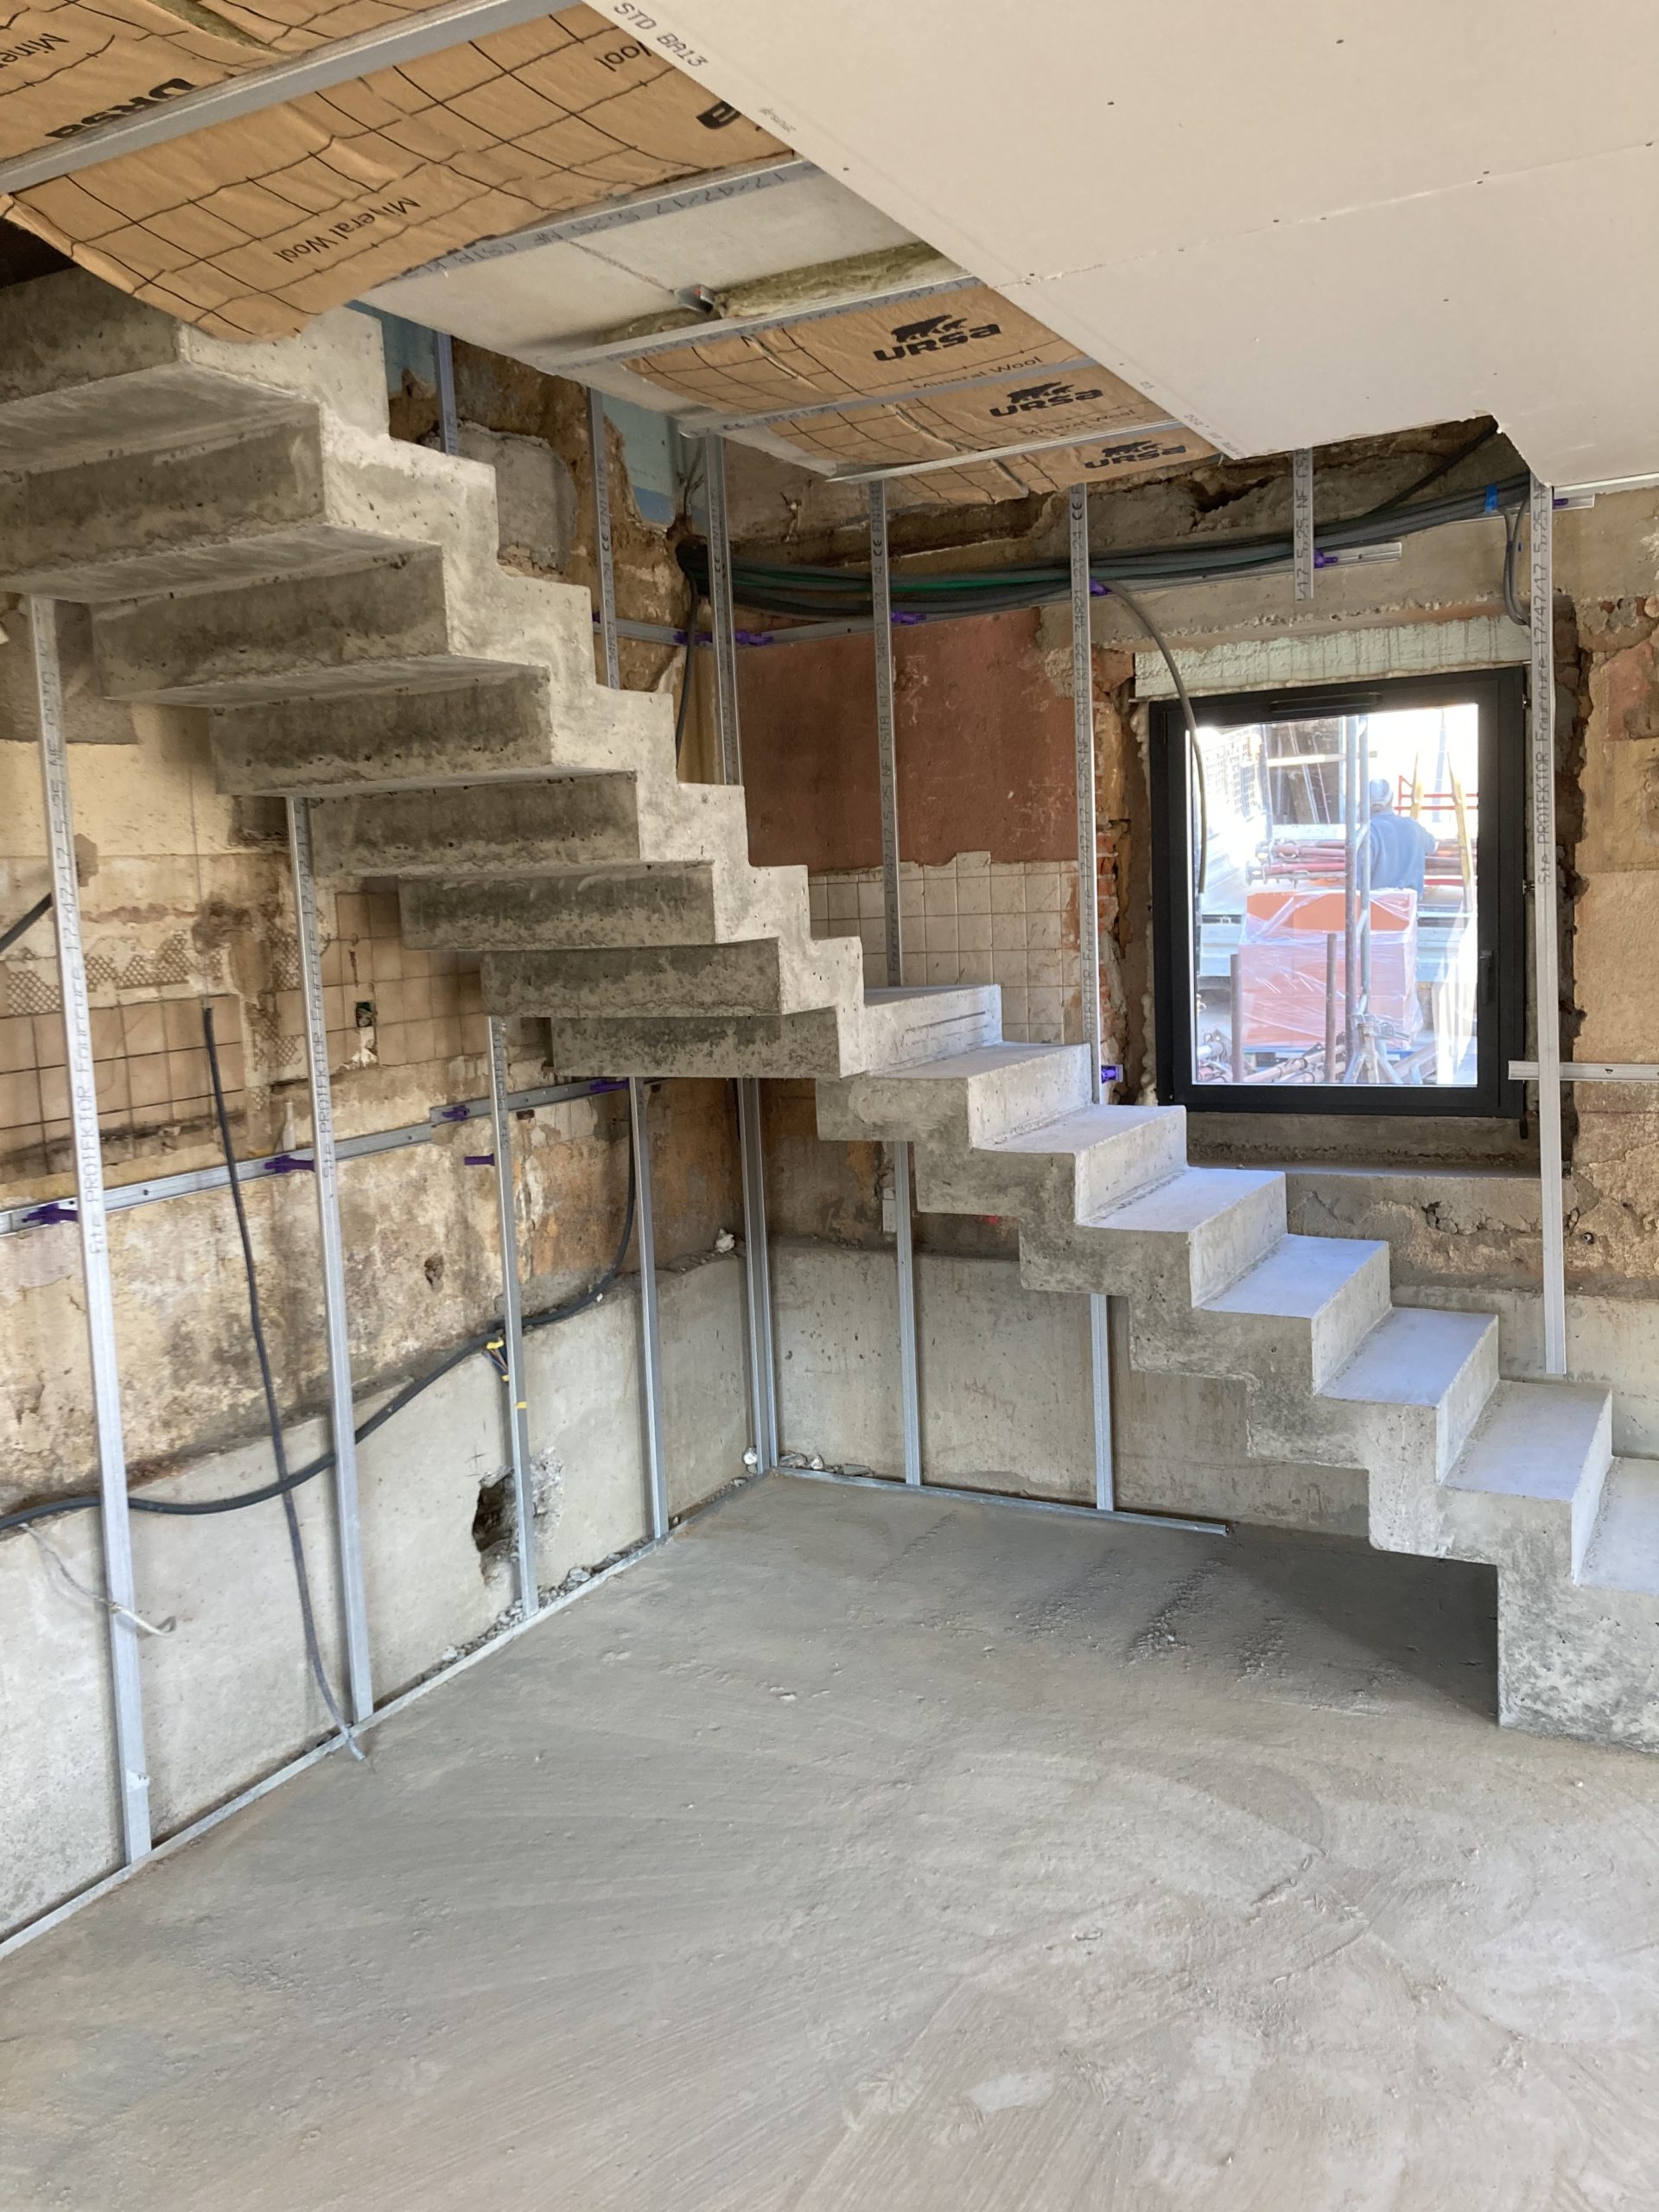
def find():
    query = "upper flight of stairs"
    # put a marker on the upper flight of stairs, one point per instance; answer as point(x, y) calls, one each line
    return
point(254, 545)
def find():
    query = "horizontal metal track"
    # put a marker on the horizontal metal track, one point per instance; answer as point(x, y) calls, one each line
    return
point(696, 425)
point(286, 80)
point(892, 1485)
point(42, 1213)
point(622, 214)
point(1064, 444)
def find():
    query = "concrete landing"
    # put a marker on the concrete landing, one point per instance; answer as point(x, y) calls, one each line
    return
point(870, 1855)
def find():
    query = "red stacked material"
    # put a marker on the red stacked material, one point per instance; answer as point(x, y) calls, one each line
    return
point(1281, 966)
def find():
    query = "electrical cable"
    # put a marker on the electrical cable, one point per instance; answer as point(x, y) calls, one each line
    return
point(818, 594)
point(1128, 599)
point(198, 1509)
point(26, 922)
point(1512, 605)
point(267, 1384)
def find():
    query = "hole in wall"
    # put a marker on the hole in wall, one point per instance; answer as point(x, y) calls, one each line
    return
point(432, 1268)
point(493, 1517)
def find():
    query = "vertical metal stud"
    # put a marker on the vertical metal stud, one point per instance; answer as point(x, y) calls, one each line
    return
point(886, 736)
point(887, 752)
point(1301, 520)
point(341, 1412)
point(1546, 975)
point(724, 611)
point(118, 1588)
point(763, 1390)
point(1083, 716)
point(599, 456)
point(512, 1328)
point(650, 1333)
point(448, 422)
point(763, 1384)
point(506, 1206)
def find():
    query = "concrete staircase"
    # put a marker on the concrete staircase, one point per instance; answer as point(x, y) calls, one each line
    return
point(253, 544)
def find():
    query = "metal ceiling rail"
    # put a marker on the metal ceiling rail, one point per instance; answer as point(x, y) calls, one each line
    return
point(555, 359)
point(705, 191)
point(1062, 444)
point(696, 425)
point(172, 116)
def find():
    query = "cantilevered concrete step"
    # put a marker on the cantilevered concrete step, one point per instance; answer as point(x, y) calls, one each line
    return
point(86, 368)
point(1169, 1246)
point(629, 903)
point(966, 1098)
point(1623, 1553)
point(1057, 1174)
point(1402, 1408)
point(883, 1029)
point(377, 618)
point(763, 977)
point(1529, 1482)
point(483, 722)
point(1297, 1316)
point(514, 827)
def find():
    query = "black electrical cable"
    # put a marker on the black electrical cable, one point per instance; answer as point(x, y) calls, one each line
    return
point(1441, 468)
point(267, 1384)
point(687, 674)
point(200, 1509)
point(1512, 605)
point(26, 922)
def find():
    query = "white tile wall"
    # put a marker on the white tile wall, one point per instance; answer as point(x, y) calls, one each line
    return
point(974, 920)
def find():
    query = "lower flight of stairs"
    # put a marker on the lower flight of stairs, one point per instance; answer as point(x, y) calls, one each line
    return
point(254, 547)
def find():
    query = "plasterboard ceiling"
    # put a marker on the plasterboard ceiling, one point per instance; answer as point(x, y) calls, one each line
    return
point(1291, 223)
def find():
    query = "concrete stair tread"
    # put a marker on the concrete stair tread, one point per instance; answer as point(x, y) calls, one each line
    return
point(1186, 1201)
point(1623, 1552)
point(977, 1060)
point(1534, 1440)
point(1413, 1357)
point(1298, 1278)
point(1077, 1132)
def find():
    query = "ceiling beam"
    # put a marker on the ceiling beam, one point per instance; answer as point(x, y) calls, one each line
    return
point(286, 80)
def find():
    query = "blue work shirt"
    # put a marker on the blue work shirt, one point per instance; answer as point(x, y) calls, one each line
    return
point(1399, 848)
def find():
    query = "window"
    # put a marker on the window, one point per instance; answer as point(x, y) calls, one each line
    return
point(1338, 898)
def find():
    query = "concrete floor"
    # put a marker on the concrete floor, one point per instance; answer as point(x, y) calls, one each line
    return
point(872, 1852)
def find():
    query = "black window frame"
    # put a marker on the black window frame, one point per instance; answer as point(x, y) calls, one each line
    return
point(1500, 897)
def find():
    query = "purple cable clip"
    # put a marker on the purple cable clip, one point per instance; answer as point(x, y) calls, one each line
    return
point(902, 620)
point(286, 1163)
point(57, 1209)
point(453, 1114)
point(1099, 591)
point(478, 1159)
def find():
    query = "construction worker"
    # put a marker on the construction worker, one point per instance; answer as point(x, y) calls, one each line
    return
point(1397, 845)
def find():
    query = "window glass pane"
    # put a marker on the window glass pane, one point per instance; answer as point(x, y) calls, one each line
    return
point(1335, 864)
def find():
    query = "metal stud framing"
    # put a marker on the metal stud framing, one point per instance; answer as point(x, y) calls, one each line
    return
point(1083, 716)
point(512, 1328)
point(1301, 520)
point(651, 1342)
point(506, 1204)
point(887, 744)
point(1546, 977)
point(724, 614)
point(133, 1776)
point(341, 1410)
point(763, 1385)
point(650, 1356)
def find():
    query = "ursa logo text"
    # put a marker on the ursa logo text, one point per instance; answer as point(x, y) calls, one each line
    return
point(932, 335)
point(153, 97)
point(1032, 396)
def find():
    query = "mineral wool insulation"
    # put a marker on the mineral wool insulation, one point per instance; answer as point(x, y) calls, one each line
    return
point(1024, 385)
point(251, 228)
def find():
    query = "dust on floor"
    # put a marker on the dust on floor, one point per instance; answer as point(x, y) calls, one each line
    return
point(875, 1854)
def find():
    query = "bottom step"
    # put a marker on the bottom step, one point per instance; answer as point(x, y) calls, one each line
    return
point(1624, 1553)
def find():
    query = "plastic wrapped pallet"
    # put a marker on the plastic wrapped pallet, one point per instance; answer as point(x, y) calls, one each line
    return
point(1282, 967)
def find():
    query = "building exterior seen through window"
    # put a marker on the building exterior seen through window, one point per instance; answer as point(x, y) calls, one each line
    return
point(1336, 900)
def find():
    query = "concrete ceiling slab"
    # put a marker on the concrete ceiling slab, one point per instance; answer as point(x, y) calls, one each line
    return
point(1301, 220)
